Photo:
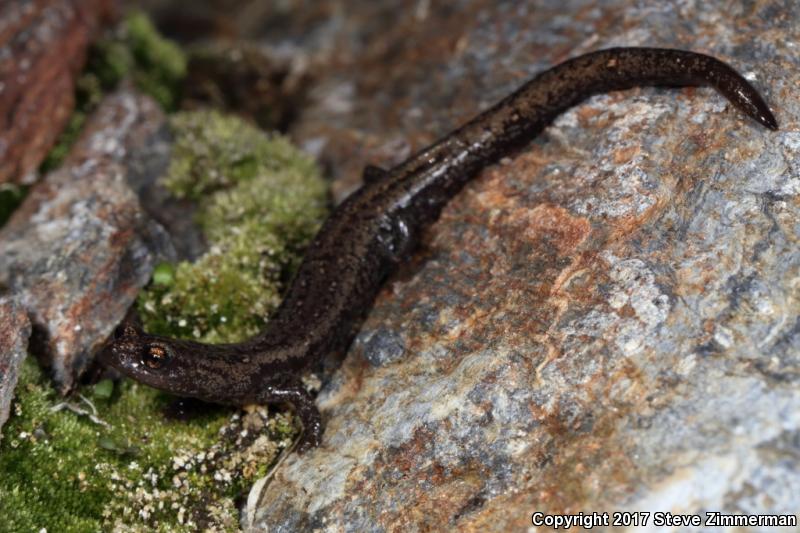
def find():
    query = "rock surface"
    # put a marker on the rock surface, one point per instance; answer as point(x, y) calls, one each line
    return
point(606, 321)
point(15, 329)
point(43, 46)
point(247, 80)
point(79, 248)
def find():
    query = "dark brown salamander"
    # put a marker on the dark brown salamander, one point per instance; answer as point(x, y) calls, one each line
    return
point(380, 224)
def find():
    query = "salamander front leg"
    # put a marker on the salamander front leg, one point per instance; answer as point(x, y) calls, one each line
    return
point(293, 392)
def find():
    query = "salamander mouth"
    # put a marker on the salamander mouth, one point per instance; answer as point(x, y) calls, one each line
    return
point(113, 355)
point(121, 353)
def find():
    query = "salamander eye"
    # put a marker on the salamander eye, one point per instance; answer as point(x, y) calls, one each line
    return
point(156, 356)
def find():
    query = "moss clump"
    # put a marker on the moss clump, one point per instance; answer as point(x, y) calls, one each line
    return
point(261, 200)
point(213, 151)
point(158, 64)
point(11, 196)
point(135, 50)
point(65, 472)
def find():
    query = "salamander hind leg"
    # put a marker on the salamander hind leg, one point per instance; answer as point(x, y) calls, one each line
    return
point(291, 391)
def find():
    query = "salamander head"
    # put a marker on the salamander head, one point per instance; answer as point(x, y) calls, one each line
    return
point(152, 360)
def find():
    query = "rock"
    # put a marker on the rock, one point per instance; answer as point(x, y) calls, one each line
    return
point(232, 20)
point(606, 321)
point(15, 329)
point(79, 248)
point(42, 49)
point(256, 83)
point(148, 162)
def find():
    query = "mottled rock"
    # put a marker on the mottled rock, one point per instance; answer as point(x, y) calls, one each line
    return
point(43, 47)
point(230, 20)
point(15, 329)
point(146, 164)
point(79, 248)
point(606, 321)
point(254, 82)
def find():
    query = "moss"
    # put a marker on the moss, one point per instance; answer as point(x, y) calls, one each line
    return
point(64, 472)
point(261, 201)
point(158, 64)
point(66, 139)
point(11, 196)
point(213, 151)
point(136, 51)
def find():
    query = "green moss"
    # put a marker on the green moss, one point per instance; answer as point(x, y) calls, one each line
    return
point(159, 64)
point(261, 201)
point(136, 51)
point(64, 472)
point(110, 60)
point(213, 151)
point(11, 196)
point(163, 274)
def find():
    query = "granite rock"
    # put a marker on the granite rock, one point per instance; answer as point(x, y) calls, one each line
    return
point(43, 47)
point(606, 321)
point(79, 248)
point(15, 329)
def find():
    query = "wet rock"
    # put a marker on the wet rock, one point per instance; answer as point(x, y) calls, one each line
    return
point(607, 320)
point(79, 248)
point(42, 49)
point(15, 329)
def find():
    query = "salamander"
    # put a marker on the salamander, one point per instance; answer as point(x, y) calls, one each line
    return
point(380, 224)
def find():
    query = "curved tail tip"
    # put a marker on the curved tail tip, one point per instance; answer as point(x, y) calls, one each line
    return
point(766, 118)
point(763, 116)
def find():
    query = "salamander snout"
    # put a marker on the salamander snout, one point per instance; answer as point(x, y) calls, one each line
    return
point(132, 351)
point(183, 368)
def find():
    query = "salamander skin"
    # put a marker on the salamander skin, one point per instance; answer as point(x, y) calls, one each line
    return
point(381, 223)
